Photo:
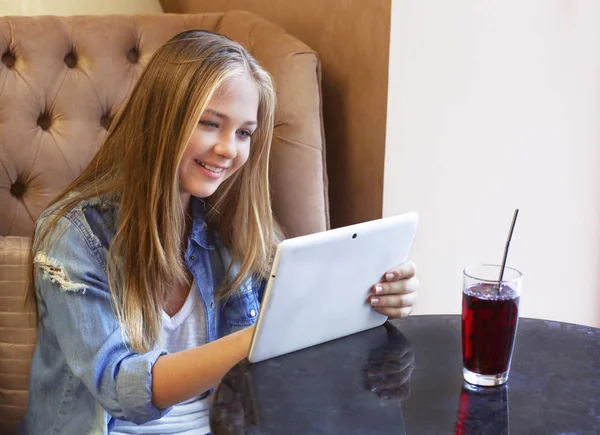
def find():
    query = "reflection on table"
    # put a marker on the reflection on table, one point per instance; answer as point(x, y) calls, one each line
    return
point(352, 385)
point(356, 385)
point(482, 410)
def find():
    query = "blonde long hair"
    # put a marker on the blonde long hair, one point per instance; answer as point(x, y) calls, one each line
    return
point(138, 164)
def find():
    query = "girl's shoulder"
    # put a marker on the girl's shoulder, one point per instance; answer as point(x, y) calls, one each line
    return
point(95, 217)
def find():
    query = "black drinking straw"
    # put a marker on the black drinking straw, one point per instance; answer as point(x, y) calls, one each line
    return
point(512, 228)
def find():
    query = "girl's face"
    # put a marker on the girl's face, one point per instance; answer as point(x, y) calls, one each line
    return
point(220, 144)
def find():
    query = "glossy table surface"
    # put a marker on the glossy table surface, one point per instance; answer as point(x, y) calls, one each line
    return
point(405, 378)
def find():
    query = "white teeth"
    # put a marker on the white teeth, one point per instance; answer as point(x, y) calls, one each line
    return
point(210, 168)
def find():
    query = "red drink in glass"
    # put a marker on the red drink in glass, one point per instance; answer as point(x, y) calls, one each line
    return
point(489, 323)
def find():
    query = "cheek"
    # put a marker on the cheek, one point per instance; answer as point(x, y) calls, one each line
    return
point(242, 156)
point(187, 166)
point(194, 143)
point(182, 171)
point(192, 148)
point(187, 153)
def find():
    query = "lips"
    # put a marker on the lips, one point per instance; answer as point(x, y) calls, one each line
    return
point(211, 172)
point(212, 168)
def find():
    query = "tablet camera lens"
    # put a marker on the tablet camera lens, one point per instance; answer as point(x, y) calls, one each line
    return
point(354, 236)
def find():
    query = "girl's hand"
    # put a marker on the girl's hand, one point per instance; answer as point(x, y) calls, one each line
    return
point(395, 295)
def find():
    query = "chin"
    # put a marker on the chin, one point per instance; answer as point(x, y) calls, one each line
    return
point(200, 188)
point(202, 193)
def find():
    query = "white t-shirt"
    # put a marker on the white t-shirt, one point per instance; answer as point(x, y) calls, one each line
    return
point(186, 329)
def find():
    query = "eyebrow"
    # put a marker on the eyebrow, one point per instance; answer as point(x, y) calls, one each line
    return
point(225, 117)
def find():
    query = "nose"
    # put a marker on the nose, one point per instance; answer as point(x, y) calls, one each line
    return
point(226, 147)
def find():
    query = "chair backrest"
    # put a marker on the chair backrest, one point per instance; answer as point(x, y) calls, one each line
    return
point(61, 81)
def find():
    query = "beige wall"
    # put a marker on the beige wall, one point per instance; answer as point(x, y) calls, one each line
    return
point(78, 7)
point(494, 106)
point(352, 40)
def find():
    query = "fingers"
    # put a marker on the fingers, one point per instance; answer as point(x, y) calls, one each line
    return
point(404, 271)
point(397, 287)
point(394, 313)
point(400, 393)
point(395, 296)
point(392, 380)
point(393, 301)
point(391, 363)
point(391, 386)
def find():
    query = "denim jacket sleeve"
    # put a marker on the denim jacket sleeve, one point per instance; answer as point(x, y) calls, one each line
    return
point(260, 285)
point(72, 285)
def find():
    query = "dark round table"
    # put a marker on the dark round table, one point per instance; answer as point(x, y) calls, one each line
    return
point(405, 378)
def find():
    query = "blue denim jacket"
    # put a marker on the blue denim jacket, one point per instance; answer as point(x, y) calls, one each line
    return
point(84, 374)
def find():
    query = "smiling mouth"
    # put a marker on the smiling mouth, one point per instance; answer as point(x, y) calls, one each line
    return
point(211, 168)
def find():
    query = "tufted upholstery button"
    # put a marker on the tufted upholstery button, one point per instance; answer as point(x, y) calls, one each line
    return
point(44, 121)
point(9, 59)
point(71, 59)
point(17, 189)
point(105, 121)
point(133, 55)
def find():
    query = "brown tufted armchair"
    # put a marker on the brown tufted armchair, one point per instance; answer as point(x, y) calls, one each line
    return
point(62, 80)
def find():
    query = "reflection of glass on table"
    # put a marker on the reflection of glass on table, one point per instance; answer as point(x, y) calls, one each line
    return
point(482, 410)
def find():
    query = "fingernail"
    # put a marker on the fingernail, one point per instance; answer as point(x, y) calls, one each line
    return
point(389, 276)
point(378, 289)
point(374, 301)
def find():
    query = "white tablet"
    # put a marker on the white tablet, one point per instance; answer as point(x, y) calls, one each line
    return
point(320, 283)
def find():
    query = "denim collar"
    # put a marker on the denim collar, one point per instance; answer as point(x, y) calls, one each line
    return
point(201, 234)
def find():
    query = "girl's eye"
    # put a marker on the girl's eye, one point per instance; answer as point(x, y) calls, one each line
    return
point(209, 124)
point(245, 134)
